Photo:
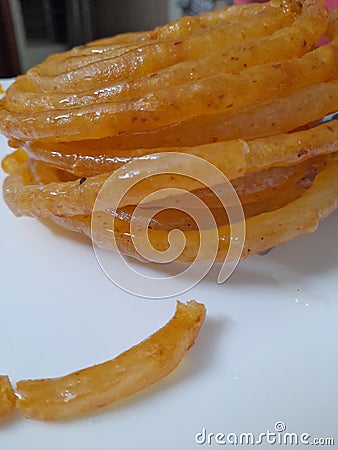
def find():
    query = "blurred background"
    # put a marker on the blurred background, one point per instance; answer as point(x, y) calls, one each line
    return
point(32, 29)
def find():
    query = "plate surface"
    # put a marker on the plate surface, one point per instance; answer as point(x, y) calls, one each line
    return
point(266, 354)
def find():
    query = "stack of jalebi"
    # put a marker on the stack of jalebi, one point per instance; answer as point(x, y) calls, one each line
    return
point(245, 88)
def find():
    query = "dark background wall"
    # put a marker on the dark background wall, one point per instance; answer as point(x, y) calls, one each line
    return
point(114, 16)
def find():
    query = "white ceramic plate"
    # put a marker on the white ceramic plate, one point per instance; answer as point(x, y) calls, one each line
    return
point(267, 352)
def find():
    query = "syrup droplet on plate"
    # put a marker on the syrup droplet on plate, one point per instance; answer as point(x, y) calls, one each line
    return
point(292, 286)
